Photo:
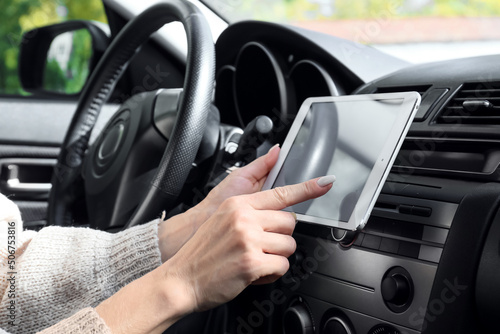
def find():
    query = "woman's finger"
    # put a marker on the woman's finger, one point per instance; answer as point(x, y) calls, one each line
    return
point(277, 221)
point(282, 197)
point(272, 265)
point(278, 244)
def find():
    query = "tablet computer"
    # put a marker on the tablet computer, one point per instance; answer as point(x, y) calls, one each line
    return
point(356, 138)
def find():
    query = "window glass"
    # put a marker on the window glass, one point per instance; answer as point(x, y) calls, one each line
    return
point(19, 16)
point(414, 30)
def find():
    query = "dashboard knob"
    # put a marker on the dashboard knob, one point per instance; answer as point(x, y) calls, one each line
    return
point(297, 268)
point(296, 258)
point(297, 320)
point(396, 289)
point(384, 329)
point(336, 325)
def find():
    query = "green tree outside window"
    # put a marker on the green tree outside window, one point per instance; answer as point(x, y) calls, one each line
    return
point(19, 16)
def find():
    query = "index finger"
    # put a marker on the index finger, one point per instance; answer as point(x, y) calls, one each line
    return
point(282, 197)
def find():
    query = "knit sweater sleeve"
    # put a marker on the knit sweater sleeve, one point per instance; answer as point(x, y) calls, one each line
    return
point(86, 321)
point(65, 270)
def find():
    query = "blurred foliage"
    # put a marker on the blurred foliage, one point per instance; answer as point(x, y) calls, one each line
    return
point(306, 10)
point(19, 16)
point(72, 77)
point(56, 78)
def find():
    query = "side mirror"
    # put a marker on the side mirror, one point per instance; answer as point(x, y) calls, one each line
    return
point(57, 59)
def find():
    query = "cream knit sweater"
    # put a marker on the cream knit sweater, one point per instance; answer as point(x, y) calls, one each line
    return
point(64, 272)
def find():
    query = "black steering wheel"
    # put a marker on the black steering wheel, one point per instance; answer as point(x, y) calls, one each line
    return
point(193, 107)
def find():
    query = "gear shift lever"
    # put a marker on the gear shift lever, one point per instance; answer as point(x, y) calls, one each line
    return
point(254, 134)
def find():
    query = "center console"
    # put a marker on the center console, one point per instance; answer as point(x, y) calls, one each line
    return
point(380, 281)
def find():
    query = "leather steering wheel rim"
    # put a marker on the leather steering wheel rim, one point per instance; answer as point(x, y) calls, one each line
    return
point(191, 120)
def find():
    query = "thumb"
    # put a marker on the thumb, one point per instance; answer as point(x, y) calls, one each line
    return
point(282, 197)
point(260, 167)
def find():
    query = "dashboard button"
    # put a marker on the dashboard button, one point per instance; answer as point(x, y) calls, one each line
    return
point(409, 249)
point(389, 245)
point(412, 231)
point(421, 211)
point(371, 241)
point(375, 225)
point(435, 234)
point(405, 209)
point(429, 253)
point(393, 228)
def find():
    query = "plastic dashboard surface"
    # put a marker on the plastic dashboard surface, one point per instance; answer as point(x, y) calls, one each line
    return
point(269, 69)
point(428, 227)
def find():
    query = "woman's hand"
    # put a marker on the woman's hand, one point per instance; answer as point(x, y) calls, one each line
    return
point(241, 181)
point(175, 232)
point(246, 240)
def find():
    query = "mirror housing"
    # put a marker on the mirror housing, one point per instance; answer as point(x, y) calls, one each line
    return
point(39, 58)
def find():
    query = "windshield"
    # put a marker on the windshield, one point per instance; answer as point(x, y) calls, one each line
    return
point(414, 30)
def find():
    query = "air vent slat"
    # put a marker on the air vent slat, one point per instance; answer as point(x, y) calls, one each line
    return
point(473, 119)
point(461, 107)
point(490, 110)
point(491, 99)
point(474, 103)
point(474, 91)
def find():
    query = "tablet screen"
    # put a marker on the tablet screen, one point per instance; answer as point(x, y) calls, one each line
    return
point(349, 139)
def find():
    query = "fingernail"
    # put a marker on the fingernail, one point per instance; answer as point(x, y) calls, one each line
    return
point(294, 216)
point(326, 180)
point(273, 148)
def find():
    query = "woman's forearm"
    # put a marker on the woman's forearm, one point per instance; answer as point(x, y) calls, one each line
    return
point(150, 304)
point(176, 231)
point(67, 269)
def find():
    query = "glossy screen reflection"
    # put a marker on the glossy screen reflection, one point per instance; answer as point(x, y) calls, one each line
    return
point(324, 145)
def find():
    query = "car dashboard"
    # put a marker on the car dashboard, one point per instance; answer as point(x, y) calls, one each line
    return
point(427, 260)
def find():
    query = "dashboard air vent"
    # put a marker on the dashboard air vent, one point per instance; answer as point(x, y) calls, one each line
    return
point(420, 89)
point(474, 103)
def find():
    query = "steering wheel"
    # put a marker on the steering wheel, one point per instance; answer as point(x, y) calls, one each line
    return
point(194, 103)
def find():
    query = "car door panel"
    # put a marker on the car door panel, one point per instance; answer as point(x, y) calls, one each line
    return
point(31, 132)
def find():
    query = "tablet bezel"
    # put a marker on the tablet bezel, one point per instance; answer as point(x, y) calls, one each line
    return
point(381, 168)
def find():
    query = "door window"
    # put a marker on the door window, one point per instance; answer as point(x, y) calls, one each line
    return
point(19, 16)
